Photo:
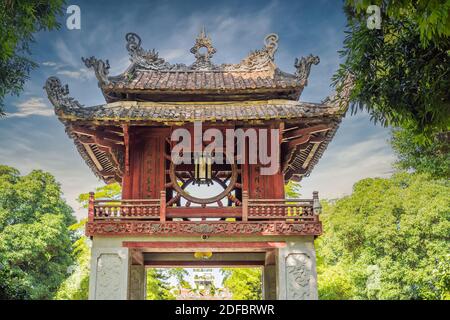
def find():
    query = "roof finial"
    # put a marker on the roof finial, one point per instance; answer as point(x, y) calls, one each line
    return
point(203, 59)
point(203, 32)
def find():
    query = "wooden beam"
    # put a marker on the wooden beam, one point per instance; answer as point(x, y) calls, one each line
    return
point(96, 133)
point(137, 258)
point(316, 140)
point(203, 263)
point(295, 133)
point(299, 141)
point(205, 245)
point(310, 156)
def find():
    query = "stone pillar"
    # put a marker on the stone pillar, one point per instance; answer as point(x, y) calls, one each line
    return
point(270, 282)
point(109, 277)
point(296, 270)
point(137, 285)
point(269, 277)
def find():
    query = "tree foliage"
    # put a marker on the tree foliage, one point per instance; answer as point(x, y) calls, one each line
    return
point(158, 286)
point(402, 71)
point(431, 158)
point(180, 275)
point(35, 242)
point(243, 283)
point(388, 240)
point(109, 191)
point(19, 20)
point(292, 190)
point(76, 286)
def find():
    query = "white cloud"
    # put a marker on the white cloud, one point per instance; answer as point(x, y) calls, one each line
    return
point(32, 106)
point(49, 64)
point(66, 55)
point(77, 74)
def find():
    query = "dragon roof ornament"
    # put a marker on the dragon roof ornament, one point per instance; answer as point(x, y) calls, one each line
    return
point(303, 66)
point(259, 60)
point(101, 69)
point(259, 66)
point(58, 94)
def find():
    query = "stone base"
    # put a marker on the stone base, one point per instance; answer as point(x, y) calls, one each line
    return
point(289, 272)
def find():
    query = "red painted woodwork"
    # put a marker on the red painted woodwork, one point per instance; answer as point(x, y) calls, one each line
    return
point(152, 207)
point(147, 164)
point(208, 228)
point(203, 263)
point(204, 245)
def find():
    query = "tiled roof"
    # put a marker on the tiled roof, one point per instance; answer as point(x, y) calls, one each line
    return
point(173, 112)
point(203, 81)
point(151, 75)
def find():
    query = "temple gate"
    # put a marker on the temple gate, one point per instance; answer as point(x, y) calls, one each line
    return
point(160, 220)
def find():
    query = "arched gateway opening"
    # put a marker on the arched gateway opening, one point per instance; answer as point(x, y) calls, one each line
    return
point(239, 131)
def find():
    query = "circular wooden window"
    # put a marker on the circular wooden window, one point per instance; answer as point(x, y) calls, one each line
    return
point(228, 188)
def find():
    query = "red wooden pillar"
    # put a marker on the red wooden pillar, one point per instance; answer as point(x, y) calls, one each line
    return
point(244, 205)
point(162, 212)
point(126, 180)
point(91, 207)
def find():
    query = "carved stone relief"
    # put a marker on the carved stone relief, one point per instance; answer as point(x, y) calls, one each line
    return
point(109, 277)
point(298, 276)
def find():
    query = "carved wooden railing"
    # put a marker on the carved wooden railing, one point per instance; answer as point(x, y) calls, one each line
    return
point(123, 209)
point(281, 209)
point(291, 210)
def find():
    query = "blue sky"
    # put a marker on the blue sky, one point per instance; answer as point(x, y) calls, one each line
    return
point(33, 138)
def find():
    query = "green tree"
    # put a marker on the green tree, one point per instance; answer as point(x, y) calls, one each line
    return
point(292, 190)
point(109, 191)
point(35, 242)
point(402, 71)
point(158, 287)
point(76, 286)
point(432, 158)
point(180, 275)
point(388, 240)
point(20, 19)
point(243, 283)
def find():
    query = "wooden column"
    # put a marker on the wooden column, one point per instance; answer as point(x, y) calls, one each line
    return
point(162, 212)
point(126, 180)
point(244, 205)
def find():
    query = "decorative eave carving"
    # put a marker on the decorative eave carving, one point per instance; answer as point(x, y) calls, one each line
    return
point(303, 66)
point(59, 96)
point(340, 100)
point(101, 69)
